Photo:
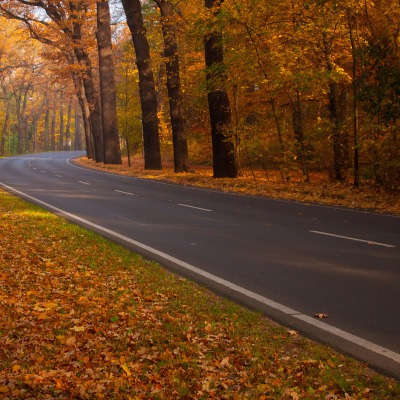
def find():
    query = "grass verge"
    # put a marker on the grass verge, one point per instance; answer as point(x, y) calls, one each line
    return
point(83, 318)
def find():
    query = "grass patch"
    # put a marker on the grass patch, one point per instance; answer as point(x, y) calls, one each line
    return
point(84, 318)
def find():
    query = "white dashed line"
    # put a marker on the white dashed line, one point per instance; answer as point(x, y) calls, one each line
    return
point(129, 194)
point(197, 208)
point(353, 239)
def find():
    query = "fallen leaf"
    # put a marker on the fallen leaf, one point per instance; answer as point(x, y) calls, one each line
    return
point(70, 341)
point(126, 369)
point(321, 315)
point(78, 328)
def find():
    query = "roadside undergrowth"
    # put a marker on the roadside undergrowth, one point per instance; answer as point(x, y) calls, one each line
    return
point(83, 318)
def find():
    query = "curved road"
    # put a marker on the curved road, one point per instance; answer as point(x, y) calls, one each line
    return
point(291, 260)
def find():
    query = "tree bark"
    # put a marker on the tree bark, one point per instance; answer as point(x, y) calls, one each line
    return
point(53, 125)
point(61, 124)
point(91, 94)
point(148, 98)
point(67, 146)
point(334, 114)
point(224, 162)
point(78, 137)
point(5, 127)
point(46, 126)
point(174, 87)
point(112, 151)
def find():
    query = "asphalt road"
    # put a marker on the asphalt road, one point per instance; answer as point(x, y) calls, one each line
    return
point(291, 260)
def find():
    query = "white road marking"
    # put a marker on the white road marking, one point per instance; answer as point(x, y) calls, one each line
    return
point(353, 239)
point(197, 208)
point(85, 183)
point(43, 172)
point(129, 194)
point(58, 176)
point(251, 295)
point(200, 189)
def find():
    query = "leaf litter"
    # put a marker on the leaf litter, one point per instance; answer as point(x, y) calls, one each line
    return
point(83, 318)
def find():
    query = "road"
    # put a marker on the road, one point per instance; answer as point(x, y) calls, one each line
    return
point(289, 259)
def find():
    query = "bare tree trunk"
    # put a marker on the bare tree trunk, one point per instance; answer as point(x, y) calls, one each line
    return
point(174, 87)
point(148, 98)
point(224, 161)
point(112, 151)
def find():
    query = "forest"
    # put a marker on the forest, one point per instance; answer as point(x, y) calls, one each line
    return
point(288, 85)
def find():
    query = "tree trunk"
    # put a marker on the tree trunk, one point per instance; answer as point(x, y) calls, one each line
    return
point(88, 81)
point(78, 121)
point(46, 126)
point(224, 162)
point(148, 98)
point(356, 174)
point(21, 116)
point(112, 151)
point(67, 146)
point(53, 127)
point(61, 132)
point(5, 127)
point(174, 87)
point(298, 130)
point(84, 106)
point(7, 103)
point(334, 114)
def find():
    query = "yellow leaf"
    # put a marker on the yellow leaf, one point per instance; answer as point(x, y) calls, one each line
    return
point(78, 328)
point(61, 338)
point(3, 389)
point(16, 368)
point(126, 369)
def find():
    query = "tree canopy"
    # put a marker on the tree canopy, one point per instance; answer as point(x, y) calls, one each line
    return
point(308, 85)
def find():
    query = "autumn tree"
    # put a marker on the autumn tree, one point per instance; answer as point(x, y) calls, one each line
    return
point(168, 23)
point(63, 28)
point(148, 97)
point(224, 162)
point(112, 153)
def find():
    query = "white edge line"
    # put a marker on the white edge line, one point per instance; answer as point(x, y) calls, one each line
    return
point(270, 303)
point(197, 208)
point(353, 239)
point(85, 183)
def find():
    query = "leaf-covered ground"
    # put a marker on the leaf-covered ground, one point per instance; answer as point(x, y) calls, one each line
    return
point(82, 318)
point(270, 184)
